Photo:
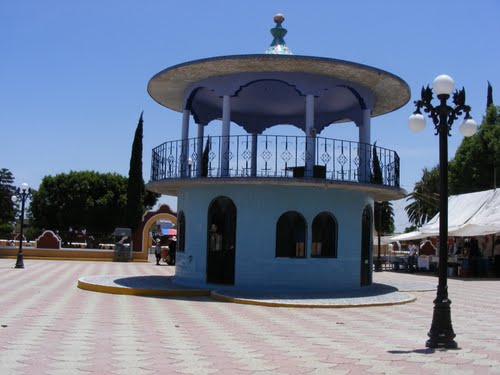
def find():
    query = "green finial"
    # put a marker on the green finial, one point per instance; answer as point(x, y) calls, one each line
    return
point(278, 45)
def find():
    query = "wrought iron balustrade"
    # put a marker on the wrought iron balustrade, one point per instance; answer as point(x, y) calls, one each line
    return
point(275, 156)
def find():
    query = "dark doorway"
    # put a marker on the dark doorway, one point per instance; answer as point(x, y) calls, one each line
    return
point(221, 241)
point(366, 246)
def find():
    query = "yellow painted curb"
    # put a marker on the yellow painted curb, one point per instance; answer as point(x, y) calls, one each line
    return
point(221, 298)
point(82, 284)
point(142, 292)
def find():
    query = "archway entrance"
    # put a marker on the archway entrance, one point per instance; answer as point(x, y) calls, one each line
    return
point(366, 246)
point(221, 241)
point(142, 242)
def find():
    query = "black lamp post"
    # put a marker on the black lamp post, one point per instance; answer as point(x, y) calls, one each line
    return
point(22, 193)
point(378, 263)
point(441, 334)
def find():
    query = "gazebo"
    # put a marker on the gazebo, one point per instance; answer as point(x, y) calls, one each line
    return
point(275, 212)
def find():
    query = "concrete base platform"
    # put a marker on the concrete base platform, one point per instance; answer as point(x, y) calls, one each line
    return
point(164, 286)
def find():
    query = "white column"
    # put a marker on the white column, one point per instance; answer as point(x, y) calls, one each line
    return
point(226, 120)
point(364, 128)
point(184, 142)
point(199, 150)
point(310, 136)
point(253, 170)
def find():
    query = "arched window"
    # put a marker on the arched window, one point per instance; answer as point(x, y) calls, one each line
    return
point(181, 231)
point(324, 236)
point(291, 235)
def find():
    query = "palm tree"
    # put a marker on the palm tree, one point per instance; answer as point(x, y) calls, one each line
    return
point(424, 198)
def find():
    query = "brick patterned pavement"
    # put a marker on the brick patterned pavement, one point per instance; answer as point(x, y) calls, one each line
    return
point(49, 326)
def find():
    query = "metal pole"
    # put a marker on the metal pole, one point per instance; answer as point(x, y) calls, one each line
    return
point(20, 260)
point(441, 334)
point(378, 266)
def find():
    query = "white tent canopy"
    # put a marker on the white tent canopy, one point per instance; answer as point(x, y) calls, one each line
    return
point(415, 235)
point(473, 214)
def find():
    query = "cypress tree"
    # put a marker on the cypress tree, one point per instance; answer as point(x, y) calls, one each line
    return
point(135, 187)
point(376, 177)
point(489, 100)
point(204, 158)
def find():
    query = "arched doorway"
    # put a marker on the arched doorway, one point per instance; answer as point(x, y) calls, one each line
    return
point(142, 235)
point(221, 241)
point(366, 246)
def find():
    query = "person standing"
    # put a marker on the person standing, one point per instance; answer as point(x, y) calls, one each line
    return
point(412, 257)
point(158, 251)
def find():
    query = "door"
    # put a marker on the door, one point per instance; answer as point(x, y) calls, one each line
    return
point(366, 246)
point(221, 241)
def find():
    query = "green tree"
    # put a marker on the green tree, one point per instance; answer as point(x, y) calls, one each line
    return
point(384, 217)
point(376, 176)
point(475, 166)
point(384, 213)
point(7, 210)
point(135, 186)
point(489, 99)
point(87, 199)
point(205, 158)
point(424, 198)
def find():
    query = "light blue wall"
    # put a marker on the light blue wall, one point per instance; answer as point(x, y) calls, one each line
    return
point(258, 209)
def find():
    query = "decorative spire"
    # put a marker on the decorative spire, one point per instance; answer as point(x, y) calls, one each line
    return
point(278, 45)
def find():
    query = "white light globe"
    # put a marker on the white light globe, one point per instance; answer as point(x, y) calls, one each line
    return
point(416, 122)
point(443, 84)
point(14, 198)
point(468, 127)
point(24, 186)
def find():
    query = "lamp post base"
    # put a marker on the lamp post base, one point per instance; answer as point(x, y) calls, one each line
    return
point(19, 261)
point(378, 265)
point(441, 334)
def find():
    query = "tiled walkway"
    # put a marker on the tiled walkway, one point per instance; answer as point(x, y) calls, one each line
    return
point(49, 326)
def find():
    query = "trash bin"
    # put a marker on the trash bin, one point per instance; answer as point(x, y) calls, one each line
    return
point(123, 246)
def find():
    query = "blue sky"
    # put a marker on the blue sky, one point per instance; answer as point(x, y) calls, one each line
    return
point(73, 74)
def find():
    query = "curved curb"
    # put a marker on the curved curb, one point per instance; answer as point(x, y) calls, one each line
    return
point(245, 301)
point(82, 284)
point(107, 285)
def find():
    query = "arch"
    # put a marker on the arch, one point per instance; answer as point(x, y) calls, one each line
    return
point(324, 236)
point(366, 246)
point(291, 230)
point(221, 241)
point(141, 238)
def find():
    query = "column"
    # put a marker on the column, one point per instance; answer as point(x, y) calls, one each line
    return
point(310, 136)
point(183, 160)
point(226, 120)
point(364, 150)
point(199, 150)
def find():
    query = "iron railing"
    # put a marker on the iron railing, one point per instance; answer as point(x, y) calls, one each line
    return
point(276, 156)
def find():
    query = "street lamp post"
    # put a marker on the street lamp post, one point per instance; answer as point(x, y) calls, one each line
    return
point(441, 334)
point(378, 264)
point(22, 193)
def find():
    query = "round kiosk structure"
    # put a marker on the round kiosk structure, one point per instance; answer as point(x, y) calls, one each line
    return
point(266, 212)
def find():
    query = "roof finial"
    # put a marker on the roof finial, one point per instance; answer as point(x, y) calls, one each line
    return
point(278, 45)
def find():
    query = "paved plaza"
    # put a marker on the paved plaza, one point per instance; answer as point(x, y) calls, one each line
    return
point(50, 326)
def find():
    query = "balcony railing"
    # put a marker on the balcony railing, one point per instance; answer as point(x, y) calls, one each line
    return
point(273, 156)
